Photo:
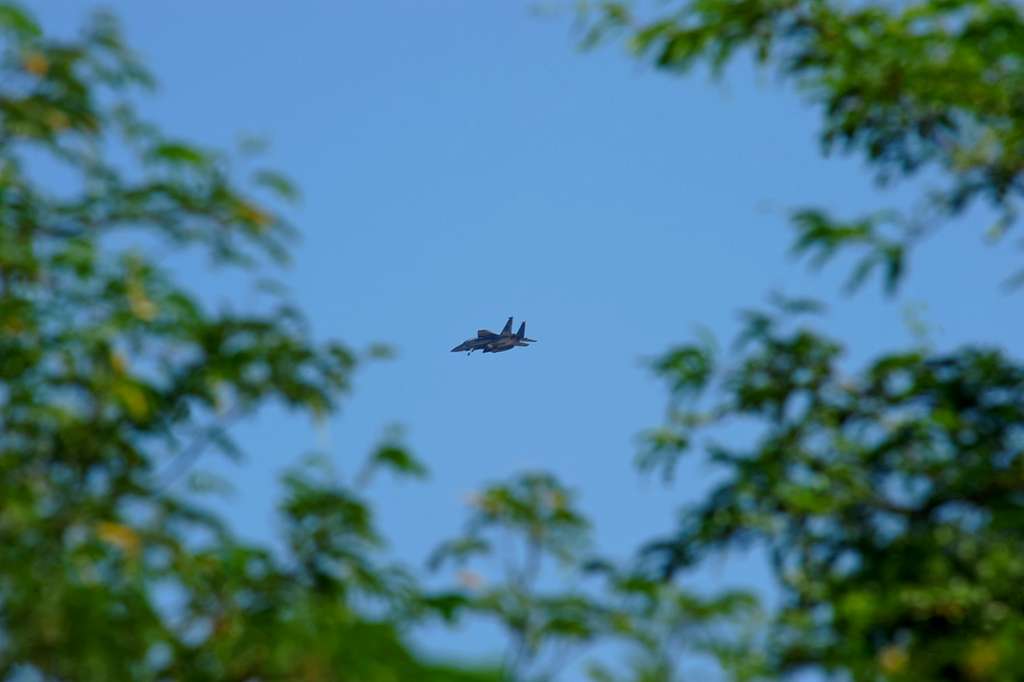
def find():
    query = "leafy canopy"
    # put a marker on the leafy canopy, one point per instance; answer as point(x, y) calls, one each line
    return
point(889, 497)
point(115, 377)
point(930, 88)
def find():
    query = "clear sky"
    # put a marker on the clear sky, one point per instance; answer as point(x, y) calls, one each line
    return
point(462, 161)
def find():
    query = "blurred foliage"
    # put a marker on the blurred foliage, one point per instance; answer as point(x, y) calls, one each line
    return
point(890, 498)
point(556, 601)
point(674, 634)
point(526, 524)
point(910, 87)
point(114, 378)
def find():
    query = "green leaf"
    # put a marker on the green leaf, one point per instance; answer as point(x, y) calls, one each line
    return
point(17, 22)
point(398, 460)
point(277, 183)
point(177, 153)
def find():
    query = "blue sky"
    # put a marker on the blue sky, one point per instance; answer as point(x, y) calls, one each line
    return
point(462, 161)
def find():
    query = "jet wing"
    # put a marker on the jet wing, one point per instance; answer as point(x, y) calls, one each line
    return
point(484, 334)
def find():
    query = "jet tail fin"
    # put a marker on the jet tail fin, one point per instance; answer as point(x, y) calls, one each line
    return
point(522, 331)
point(507, 329)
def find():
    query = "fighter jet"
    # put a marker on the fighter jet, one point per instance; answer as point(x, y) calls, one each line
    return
point(489, 342)
point(483, 337)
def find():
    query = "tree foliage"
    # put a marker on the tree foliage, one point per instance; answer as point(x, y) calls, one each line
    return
point(889, 497)
point(114, 376)
point(560, 603)
point(929, 87)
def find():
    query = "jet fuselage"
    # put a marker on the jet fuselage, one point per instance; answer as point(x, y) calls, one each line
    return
point(489, 342)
